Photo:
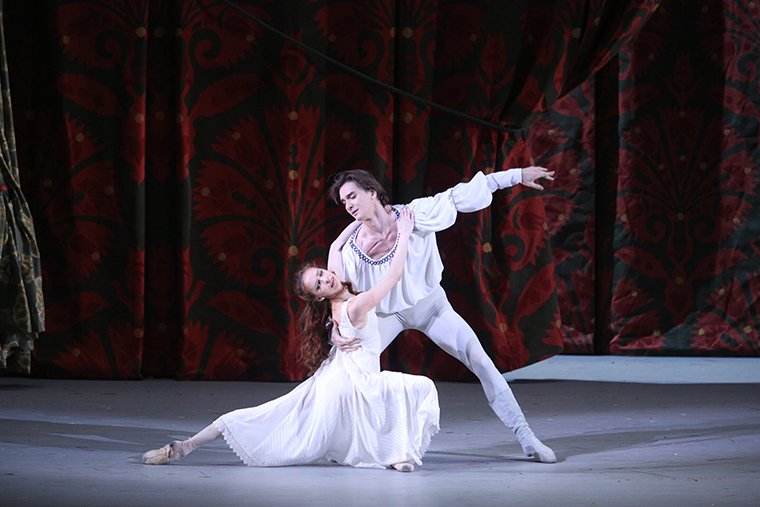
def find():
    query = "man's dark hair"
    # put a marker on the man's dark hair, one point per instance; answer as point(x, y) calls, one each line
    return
point(362, 179)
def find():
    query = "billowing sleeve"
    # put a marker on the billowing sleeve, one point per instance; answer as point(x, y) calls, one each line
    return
point(439, 212)
point(504, 179)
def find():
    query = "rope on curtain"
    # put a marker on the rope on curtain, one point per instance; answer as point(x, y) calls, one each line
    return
point(372, 80)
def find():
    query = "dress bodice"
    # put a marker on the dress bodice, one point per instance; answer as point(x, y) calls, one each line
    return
point(369, 334)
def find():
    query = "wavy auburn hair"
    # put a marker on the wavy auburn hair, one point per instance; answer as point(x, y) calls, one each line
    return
point(315, 320)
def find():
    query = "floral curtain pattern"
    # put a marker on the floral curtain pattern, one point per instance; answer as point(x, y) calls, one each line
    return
point(654, 227)
point(175, 157)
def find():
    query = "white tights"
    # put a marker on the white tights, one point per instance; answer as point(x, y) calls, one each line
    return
point(203, 437)
point(435, 317)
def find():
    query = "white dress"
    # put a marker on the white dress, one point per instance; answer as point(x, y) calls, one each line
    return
point(348, 412)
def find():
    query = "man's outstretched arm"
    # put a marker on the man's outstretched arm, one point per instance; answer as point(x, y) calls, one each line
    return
point(439, 212)
point(528, 176)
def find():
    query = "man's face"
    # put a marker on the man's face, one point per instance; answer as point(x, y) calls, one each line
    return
point(358, 202)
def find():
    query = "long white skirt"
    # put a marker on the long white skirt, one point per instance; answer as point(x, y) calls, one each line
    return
point(341, 414)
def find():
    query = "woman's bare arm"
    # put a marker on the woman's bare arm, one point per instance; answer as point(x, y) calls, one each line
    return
point(364, 302)
point(334, 261)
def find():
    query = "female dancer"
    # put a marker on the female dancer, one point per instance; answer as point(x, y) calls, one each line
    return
point(349, 411)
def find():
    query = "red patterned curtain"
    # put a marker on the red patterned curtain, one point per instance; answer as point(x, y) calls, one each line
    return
point(175, 156)
point(653, 222)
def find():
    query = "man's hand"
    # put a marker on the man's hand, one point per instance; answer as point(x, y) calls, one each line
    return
point(344, 344)
point(533, 173)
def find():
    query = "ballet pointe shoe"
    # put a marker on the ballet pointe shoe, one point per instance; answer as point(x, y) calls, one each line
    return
point(506, 407)
point(169, 452)
point(404, 466)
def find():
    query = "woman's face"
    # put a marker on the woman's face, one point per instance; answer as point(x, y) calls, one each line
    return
point(323, 284)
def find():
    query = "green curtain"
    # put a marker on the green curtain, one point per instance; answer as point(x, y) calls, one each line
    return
point(22, 311)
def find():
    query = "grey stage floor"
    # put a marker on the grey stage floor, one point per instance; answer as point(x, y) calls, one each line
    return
point(620, 440)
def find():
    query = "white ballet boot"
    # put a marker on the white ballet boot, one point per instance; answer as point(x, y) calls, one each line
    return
point(506, 407)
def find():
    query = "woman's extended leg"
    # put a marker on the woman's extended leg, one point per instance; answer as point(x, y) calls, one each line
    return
point(179, 449)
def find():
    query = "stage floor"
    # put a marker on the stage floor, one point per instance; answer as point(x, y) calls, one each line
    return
point(693, 441)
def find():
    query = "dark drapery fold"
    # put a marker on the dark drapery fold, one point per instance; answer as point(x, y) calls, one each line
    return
point(654, 235)
point(175, 157)
point(561, 44)
point(22, 311)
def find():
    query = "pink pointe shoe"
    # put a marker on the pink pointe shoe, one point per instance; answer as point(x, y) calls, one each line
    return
point(169, 452)
point(404, 466)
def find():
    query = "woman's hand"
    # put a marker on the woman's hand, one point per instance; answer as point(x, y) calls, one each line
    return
point(405, 221)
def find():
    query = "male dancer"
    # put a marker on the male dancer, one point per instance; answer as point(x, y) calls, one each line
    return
point(418, 301)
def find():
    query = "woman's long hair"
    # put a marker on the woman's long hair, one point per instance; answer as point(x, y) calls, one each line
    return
point(315, 320)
